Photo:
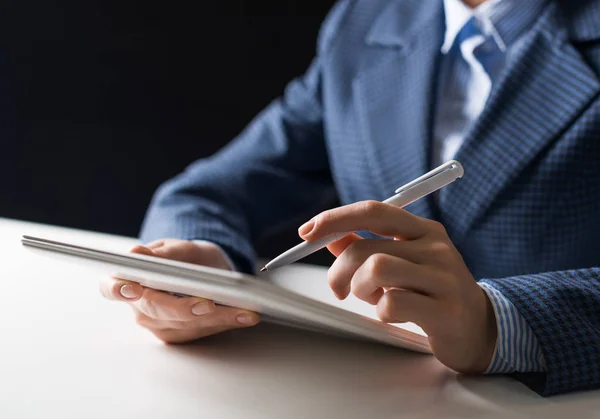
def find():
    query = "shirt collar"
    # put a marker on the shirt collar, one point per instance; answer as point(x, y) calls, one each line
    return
point(504, 20)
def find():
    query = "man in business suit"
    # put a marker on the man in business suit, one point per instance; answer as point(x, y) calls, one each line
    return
point(500, 268)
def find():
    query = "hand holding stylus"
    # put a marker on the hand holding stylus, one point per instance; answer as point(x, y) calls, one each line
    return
point(405, 195)
point(419, 277)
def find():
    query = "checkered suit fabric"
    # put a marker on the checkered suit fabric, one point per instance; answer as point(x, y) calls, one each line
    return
point(526, 215)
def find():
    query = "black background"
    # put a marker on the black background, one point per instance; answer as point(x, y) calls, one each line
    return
point(101, 101)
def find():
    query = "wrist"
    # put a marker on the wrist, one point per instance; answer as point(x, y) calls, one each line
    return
point(470, 347)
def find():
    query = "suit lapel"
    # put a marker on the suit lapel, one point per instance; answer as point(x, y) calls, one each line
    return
point(394, 95)
point(545, 88)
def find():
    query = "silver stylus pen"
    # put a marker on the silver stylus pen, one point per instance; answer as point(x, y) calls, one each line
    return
point(407, 194)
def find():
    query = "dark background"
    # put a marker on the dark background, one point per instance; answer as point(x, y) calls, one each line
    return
point(101, 101)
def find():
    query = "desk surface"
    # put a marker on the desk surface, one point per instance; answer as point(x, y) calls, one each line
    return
point(67, 353)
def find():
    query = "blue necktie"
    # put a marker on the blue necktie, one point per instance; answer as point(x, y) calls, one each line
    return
point(487, 52)
point(469, 69)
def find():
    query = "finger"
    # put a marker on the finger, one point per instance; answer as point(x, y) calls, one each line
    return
point(142, 250)
point(187, 251)
point(222, 319)
point(177, 336)
point(222, 316)
point(354, 256)
point(377, 217)
point(381, 271)
point(156, 244)
point(120, 290)
point(399, 306)
point(337, 247)
point(162, 306)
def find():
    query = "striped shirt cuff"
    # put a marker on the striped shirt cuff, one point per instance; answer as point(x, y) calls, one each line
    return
point(517, 348)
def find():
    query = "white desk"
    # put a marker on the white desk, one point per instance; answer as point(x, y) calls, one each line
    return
point(67, 353)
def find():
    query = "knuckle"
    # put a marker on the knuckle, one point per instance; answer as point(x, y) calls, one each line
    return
point(181, 314)
point(357, 248)
point(386, 310)
point(211, 251)
point(190, 246)
point(385, 316)
point(205, 247)
point(376, 264)
point(323, 218)
point(337, 276)
point(142, 320)
point(181, 245)
point(156, 243)
point(370, 207)
point(440, 248)
point(438, 227)
point(149, 307)
point(389, 308)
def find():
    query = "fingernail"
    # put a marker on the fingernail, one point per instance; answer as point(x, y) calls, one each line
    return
point(201, 308)
point(306, 228)
point(128, 291)
point(245, 319)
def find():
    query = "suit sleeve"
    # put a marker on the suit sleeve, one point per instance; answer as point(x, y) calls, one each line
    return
point(563, 310)
point(275, 172)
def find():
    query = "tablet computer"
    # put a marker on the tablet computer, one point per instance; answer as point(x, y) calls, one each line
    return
point(276, 304)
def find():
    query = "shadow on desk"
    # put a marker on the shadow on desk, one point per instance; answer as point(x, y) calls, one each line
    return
point(361, 363)
point(355, 378)
point(326, 373)
point(331, 375)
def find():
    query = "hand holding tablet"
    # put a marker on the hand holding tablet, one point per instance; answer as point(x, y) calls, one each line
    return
point(248, 294)
point(178, 319)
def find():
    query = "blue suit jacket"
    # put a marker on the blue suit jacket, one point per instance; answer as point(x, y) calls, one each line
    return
point(526, 216)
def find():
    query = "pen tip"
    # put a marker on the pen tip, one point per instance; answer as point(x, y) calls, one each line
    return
point(263, 269)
